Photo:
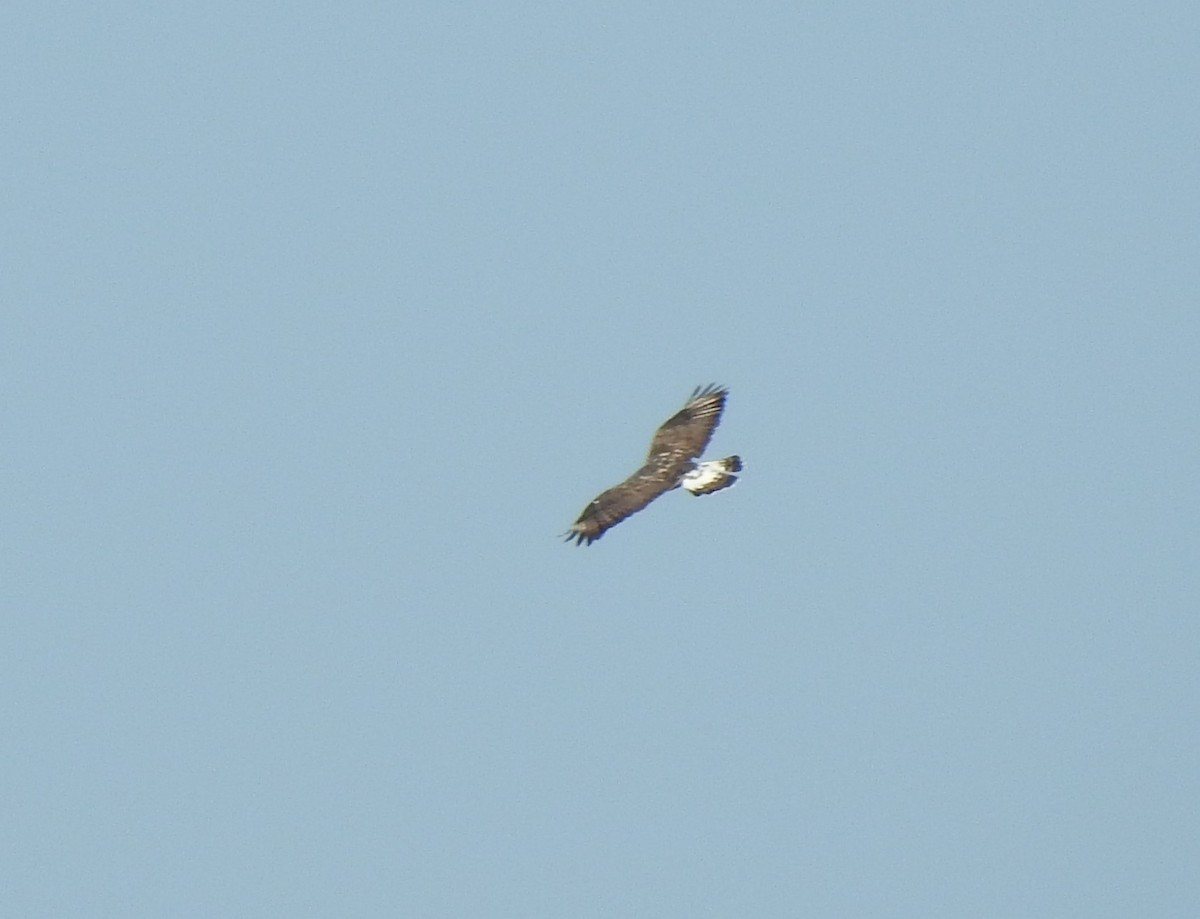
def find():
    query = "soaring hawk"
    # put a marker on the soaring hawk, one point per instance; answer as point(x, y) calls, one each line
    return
point(673, 461)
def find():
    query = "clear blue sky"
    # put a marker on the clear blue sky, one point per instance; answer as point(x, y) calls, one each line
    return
point(320, 321)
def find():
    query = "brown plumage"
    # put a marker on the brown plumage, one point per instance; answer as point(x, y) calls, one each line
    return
point(671, 462)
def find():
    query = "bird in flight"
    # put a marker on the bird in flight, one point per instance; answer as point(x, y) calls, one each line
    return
point(673, 461)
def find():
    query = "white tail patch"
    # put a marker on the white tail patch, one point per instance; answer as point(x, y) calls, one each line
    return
point(712, 476)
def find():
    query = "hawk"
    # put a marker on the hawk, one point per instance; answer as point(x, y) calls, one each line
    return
point(673, 461)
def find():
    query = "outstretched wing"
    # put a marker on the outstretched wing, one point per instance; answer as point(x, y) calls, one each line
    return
point(681, 439)
point(685, 434)
point(611, 507)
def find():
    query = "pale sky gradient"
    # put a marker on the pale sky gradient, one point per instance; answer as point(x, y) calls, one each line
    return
point(320, 321)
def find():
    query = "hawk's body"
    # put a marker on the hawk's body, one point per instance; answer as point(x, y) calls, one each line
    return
point(672, 462)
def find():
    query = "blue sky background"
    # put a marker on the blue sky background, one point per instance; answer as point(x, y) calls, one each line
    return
point(320, 321)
